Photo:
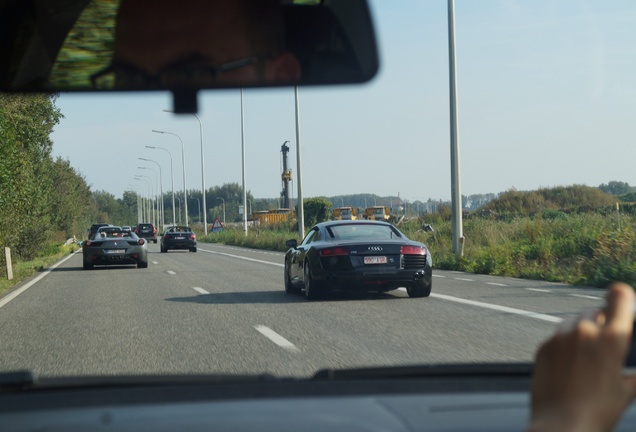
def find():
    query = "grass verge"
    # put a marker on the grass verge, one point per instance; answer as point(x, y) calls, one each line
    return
point(23, 270)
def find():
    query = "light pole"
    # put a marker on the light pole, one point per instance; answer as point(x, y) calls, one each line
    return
point(199, 204)
point(179, 199)
point(139, 207)
point(205, 215)
point(250, 202)
point(243, 165)
point(174, 217)
point(138, 178)
point(219, 198)
point(156, 192)
point(163, 213)
point(185, 193)
point(152, 194)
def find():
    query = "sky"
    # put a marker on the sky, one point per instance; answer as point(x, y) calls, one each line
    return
point(546, 97)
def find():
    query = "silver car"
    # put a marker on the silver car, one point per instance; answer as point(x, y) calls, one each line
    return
point(113, 246)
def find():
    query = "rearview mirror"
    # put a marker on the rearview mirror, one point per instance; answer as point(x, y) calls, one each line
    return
point(184, 46)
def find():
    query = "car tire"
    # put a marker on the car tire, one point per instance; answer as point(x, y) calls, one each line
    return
point(142, 264)
point(419, 289)
point(289, 286)
point(163, 249)
point(313, 289)
point(88, 266)
point(155, 241)
point(193, 249)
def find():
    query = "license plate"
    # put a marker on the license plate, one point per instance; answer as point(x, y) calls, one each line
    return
point(375, 260)
point(114, 251)
point(180, 238)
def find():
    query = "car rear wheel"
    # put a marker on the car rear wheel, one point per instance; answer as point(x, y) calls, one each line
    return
point(289, 286)
point(419, 289)
point(193, 249)
point(312, 287)
point(142, 264)
point(163, 249)
point(88, 266)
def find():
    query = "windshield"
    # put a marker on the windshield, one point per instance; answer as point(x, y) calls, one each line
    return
point(546, 191)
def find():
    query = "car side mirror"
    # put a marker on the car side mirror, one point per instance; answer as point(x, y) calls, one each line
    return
point(291, 243)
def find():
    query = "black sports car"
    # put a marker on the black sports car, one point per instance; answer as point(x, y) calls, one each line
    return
point(357, 255)
point(113, 246)
point(179, 237)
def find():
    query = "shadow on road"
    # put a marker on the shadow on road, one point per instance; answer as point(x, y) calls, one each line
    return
point(278, 297)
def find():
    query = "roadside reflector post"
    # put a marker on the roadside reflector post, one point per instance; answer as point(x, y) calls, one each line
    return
point(7, 256)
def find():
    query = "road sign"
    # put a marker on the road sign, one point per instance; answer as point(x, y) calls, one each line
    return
point(217, 226)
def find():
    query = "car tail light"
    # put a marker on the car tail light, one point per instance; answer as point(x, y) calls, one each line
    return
point(413, 250)
point(88, 242)
point(166, 237)
point(141, 242)
point(334, 252)
point(193, 237)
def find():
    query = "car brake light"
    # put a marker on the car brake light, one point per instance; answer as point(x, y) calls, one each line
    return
point(334, 252)
point(166, 237)
point(193, 237)
point(141, 242)
point(88, 242)
point(412, 250)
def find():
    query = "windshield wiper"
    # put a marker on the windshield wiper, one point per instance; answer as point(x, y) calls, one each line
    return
point(468, 370)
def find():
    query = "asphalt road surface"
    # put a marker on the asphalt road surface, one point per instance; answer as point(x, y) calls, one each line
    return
point(224, 310)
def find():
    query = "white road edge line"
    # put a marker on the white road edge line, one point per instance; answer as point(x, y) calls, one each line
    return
point(505, 309)
point(200, 290)
point(587, 296)
point(171, 272)
point(28, 285)
point(529, 314)
point(243, 258)
point(539, 290)
point(275, 337)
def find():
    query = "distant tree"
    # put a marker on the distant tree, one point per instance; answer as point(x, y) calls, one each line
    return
point(316, 210)
point(616, 187)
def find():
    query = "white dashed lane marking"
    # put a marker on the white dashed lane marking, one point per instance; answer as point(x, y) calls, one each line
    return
point(275, 337)
point(587, 296)
point(539, 290)
point(496, 284)
point(200, 290)
point(171, 272)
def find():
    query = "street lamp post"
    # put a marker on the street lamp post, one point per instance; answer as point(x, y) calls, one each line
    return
point(174, 217)
point(156, 190)
point(185, 193)
point(179, 199)
point(205, 215)
point(152, 211)
point(199, 204)
point(219, 198)
point(148, 212)
point(163, 213)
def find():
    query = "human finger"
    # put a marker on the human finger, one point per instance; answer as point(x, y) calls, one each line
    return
point(619, 312)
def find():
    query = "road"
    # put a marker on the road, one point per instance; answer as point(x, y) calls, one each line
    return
point(224, 310)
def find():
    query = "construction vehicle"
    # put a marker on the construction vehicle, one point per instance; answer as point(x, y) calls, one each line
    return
point(345, 213)
point(378, 213)
point(269, 217)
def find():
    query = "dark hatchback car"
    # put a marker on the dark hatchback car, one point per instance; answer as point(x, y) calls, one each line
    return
point(357, 256)
point(147, 231)
point(179, 237)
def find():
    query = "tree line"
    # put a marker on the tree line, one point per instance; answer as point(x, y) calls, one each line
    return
point(42, 199)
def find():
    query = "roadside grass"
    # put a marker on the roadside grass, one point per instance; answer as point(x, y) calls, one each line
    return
point(577, 248)
point(23, 270)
